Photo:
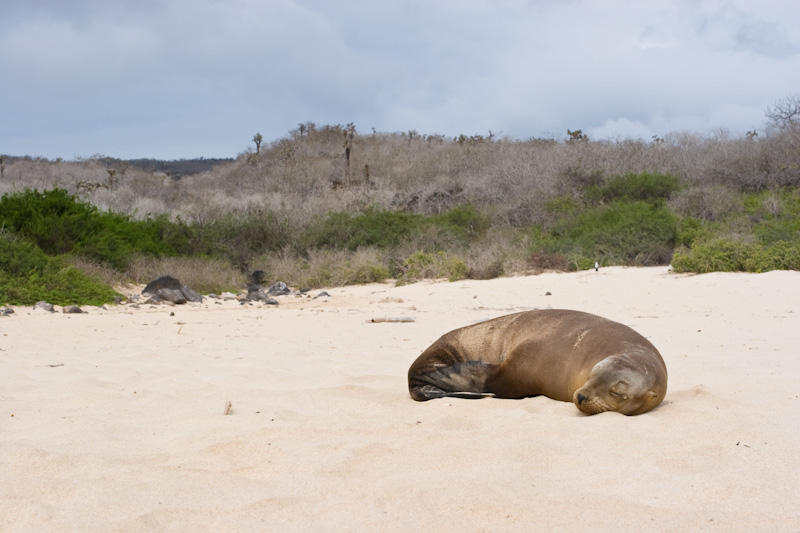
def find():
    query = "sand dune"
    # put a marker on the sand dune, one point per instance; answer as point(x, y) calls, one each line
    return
point(114, 420)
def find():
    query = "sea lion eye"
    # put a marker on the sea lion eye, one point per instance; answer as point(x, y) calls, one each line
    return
point(618, 395)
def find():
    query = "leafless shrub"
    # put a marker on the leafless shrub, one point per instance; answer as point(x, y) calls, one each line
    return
point(785, 114)
point(98, 271)
point(541, 261)
point(324, 267)
point(707, 202)
point(420, 174)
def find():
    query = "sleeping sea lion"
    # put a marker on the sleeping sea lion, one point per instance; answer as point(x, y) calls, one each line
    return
point(597, 364)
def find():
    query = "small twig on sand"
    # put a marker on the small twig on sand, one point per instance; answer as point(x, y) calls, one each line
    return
point(392, 319)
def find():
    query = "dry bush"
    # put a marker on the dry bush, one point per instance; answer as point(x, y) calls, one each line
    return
point(512, 179)
point(201, 274)
point(706, 202)
point(98, 271)
point(323, 268)
point(498, 253)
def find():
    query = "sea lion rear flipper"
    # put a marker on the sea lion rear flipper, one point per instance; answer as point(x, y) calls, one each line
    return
point(461, 380)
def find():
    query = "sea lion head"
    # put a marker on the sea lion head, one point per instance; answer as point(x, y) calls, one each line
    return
point(630, 384)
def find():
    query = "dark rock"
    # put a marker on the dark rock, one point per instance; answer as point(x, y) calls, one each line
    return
point(118, 299)
point(164, 282)
point(44, 306)
point(278, 289)
point(170, 295)
point(191, 295)
point(261, 296)
point(73, 309)
point(257, 277)
point(6, 311)
point(323, 294)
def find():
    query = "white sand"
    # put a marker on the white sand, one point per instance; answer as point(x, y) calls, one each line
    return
point(128, 432)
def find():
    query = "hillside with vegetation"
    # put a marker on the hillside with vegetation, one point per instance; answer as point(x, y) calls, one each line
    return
point(329, 205)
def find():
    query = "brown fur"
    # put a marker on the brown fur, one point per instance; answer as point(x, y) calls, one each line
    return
point(556, 353)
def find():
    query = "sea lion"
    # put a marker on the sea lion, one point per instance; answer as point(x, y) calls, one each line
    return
point(597, 364)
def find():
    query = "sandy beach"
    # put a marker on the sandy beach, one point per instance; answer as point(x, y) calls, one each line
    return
point(115, 420)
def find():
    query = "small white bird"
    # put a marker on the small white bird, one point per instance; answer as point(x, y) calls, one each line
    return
point(596, 266)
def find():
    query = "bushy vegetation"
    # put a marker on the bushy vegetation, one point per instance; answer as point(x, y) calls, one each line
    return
point(620, 233)
point(762, 233)
point(28, 275)
point(329, 206)
point(58, 224)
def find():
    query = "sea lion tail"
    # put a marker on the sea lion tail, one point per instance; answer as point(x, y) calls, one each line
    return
point(461, 380)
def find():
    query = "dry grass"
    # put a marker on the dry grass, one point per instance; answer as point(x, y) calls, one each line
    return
point(97, 271)
point(201, 274)
point(324, 268)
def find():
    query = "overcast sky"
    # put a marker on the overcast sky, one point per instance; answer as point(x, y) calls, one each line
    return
point(176, 79)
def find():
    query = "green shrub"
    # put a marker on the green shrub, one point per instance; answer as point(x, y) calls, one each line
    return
point(373, 227)
point(638, 233)
point(691, 230)
point(780, 255)
point(641, 186)
point(729, 255)
point(27, 276)
point(60, 224)
point(238, 237)
point(776, 230)
point(422, 265)
point(386, 229)
point(464, 221)
point(561, 204)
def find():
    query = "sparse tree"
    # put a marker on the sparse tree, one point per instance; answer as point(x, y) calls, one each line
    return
point(785, 113)
point(2, 165)
point(349, 135)
point(577, 136)
point(112, 178)
point(257, 138)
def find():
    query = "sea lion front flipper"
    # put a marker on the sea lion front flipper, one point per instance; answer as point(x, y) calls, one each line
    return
point(461, 380)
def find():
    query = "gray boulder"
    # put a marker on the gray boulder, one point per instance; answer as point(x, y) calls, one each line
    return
point(171, 295)
point(191, 295)
point(72, 309)
point(278, 289)
point(43, 306)
point(259, 295)
point(164, 282)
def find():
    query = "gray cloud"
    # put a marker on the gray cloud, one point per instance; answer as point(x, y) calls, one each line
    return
point(180, 78)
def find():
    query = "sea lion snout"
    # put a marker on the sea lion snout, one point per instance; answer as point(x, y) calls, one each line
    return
point(590, 405)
